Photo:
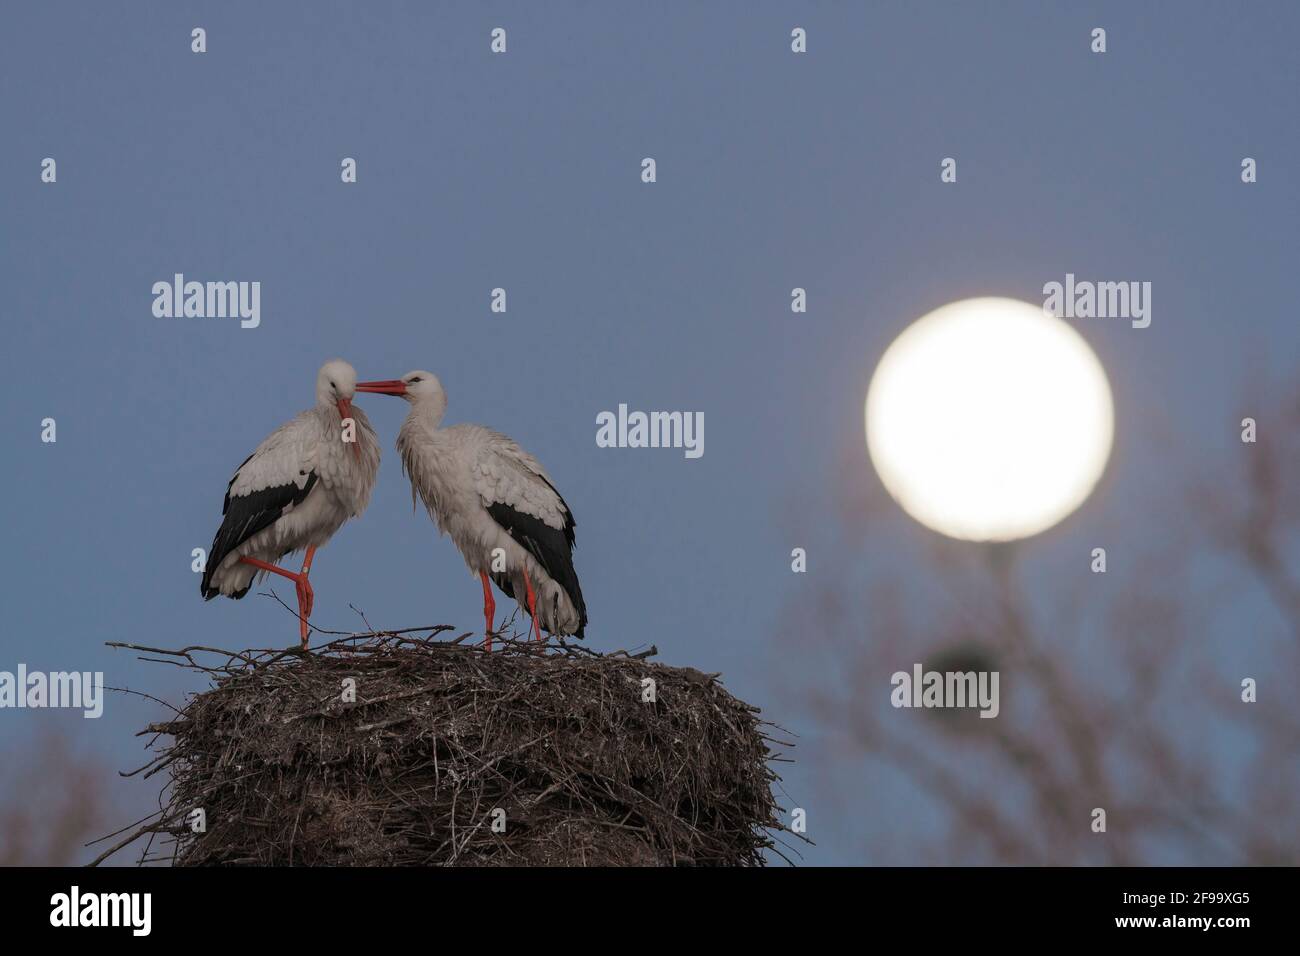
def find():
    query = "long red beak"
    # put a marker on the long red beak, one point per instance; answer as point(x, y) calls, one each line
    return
point(392, 386)
point(345, 412)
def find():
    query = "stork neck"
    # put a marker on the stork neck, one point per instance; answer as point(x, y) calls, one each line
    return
point(431, 407)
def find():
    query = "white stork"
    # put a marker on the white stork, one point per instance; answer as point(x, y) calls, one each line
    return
point(487, 493)
point(294, 491)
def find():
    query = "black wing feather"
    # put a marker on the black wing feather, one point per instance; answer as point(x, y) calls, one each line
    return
point(551, 547)
point(246, 515)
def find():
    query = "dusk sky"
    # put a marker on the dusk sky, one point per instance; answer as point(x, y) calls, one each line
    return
point(523, 171)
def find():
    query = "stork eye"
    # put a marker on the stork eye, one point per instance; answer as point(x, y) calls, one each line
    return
point(414, 380)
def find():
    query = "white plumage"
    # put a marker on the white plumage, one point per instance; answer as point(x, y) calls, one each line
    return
point(295, 491)
point(496, 503)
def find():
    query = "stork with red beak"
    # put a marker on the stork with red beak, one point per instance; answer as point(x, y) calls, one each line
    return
point(496, 503)
point(294, 491)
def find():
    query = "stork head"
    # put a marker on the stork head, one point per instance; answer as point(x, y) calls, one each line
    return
point(415, 387)
point(336, 383)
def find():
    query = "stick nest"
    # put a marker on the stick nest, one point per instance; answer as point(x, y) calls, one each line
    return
point(387, 749)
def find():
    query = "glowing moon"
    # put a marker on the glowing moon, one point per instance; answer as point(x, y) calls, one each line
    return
point(989, 419)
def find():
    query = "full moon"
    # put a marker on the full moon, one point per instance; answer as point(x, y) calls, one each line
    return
point(989, 419)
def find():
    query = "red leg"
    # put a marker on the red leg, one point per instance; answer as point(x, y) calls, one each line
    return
point(532, 606)
point(306, 570)
point(269, 567)
point(489, 609)
point(306, 597)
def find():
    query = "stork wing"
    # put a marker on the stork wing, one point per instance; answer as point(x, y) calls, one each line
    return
point(504, 474)
point(275, 478)
point(516, 492)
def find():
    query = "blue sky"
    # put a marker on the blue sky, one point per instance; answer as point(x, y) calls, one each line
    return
point(522, 171)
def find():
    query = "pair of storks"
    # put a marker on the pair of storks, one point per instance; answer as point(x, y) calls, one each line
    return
point(314, 472)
